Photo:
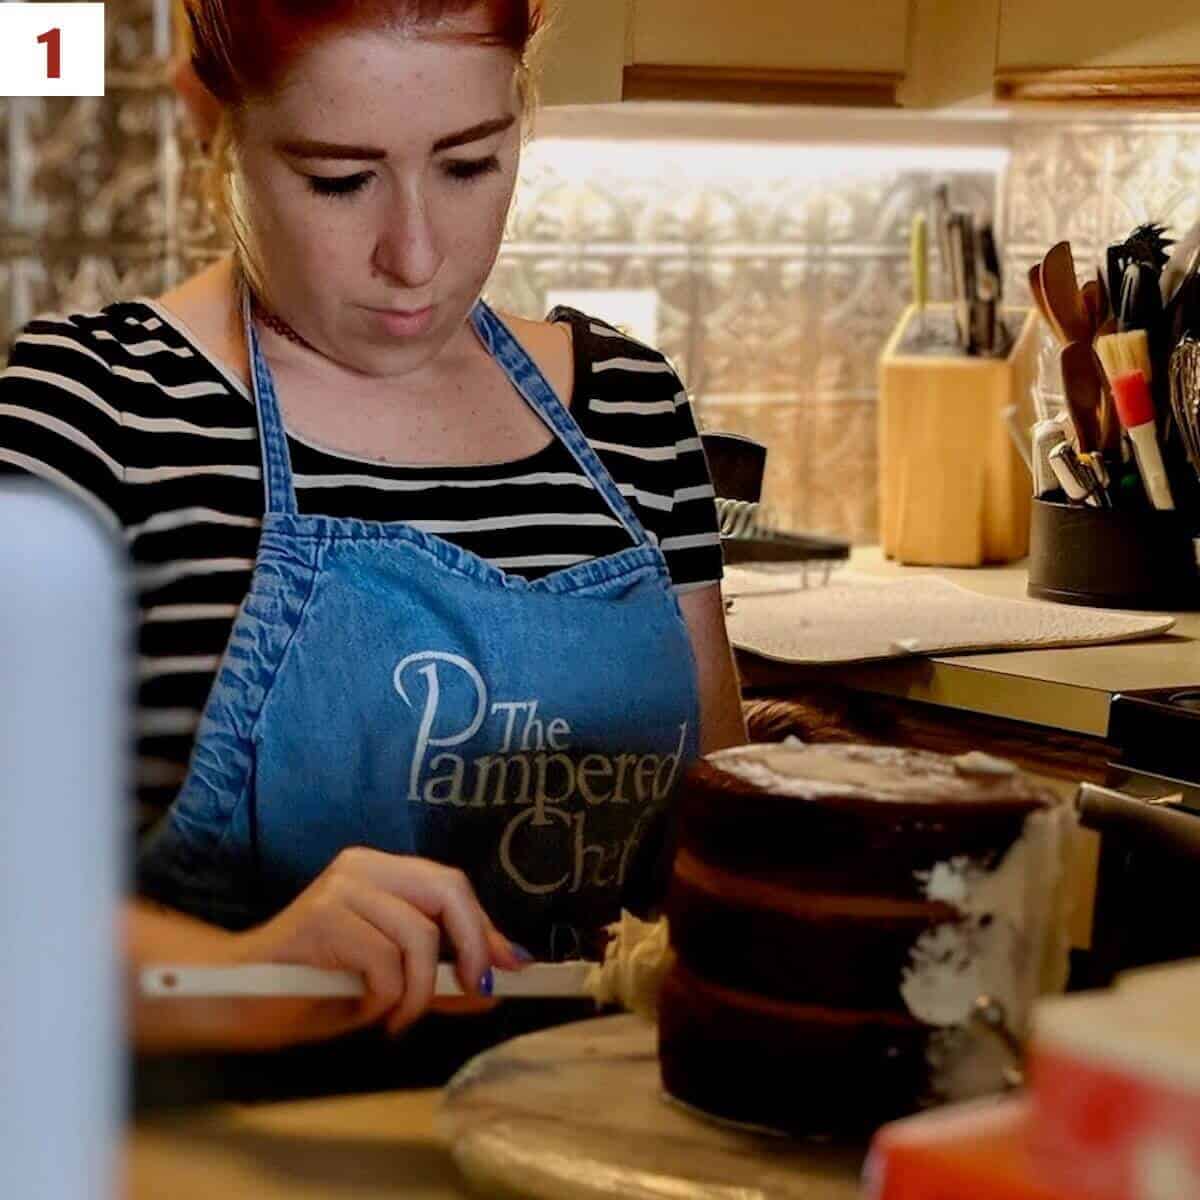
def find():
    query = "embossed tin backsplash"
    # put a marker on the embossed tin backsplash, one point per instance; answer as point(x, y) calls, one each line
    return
point(90, 208)
point(778, 266)
point(1091, 182)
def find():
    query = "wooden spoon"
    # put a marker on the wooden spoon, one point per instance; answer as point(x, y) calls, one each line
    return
point(1084, 393)
point(1039, 300)
point(1063, 297)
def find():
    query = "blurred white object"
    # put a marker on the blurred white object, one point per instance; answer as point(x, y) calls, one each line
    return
point(62, 749)
point(1047, 434)
point(1049, 397)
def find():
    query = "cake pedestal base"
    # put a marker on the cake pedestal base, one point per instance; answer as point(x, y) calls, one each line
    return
point(578, 1113)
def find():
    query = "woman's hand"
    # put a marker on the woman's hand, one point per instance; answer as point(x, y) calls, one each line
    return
point(381, 915)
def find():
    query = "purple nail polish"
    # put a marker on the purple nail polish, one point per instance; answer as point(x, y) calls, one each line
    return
point(523, 955)
point(487, 983)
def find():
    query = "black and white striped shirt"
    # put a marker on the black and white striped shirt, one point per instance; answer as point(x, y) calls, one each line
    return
point(121, 408)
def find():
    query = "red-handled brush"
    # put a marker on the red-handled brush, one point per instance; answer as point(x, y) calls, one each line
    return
point(1136, 410)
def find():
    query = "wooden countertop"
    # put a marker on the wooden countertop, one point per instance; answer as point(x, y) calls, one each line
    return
point(364, 1147)
point(568, 1110)
point(1064, 689)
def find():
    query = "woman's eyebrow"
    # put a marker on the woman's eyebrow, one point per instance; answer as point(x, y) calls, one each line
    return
point(303, 148)
point(306, 149)
point(475, 134)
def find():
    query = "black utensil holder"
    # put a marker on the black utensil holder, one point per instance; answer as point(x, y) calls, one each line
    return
point(1108, 558)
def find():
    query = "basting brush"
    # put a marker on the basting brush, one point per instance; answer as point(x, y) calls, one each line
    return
point(1126, 361)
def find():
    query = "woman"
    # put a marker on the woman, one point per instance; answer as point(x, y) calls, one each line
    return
point(460, 571)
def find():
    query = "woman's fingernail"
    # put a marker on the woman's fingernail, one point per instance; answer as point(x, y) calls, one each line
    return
point(487, 983)
point(522, 955)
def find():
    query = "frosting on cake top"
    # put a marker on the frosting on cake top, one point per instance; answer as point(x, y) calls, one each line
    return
point(882, 773)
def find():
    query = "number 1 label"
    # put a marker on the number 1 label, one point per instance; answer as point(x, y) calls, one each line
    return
point(51, 49)
point(52, 39)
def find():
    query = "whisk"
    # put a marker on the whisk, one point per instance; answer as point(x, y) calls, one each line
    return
point(1185, 397)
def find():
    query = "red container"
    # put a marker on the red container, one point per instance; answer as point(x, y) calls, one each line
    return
point(976, 1151)
point(1115, 1095)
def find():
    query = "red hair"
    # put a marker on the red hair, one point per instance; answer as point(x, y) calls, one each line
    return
point(239, 49)
point(242, 48)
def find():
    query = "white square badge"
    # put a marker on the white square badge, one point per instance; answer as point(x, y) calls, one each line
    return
point(51, 49)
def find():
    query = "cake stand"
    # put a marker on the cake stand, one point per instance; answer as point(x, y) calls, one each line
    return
point(578, 1113)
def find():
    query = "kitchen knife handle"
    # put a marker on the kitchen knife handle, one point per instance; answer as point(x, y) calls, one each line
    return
point(919, 253)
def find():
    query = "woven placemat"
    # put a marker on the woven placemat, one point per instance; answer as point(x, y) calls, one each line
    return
point(861, 618)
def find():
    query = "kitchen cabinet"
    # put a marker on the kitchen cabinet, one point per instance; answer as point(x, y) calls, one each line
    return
point(1099, 50)
point(772, 49)
point(775, 51)
point(775, 34)
point(916, 53)
point(582, 56)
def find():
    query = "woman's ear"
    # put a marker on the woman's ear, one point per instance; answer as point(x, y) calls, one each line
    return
point(203, 108)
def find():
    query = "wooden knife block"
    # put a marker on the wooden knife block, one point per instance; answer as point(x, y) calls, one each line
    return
point(953, 491)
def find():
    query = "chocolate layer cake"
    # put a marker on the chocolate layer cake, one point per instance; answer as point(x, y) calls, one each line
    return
point(835, 911)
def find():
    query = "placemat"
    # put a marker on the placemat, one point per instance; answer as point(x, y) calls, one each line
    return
point(860, 618)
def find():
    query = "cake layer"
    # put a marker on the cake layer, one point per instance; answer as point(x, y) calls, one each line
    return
point(832, 834)
point(836, 913)
point(812, 948)
point(800, 1069)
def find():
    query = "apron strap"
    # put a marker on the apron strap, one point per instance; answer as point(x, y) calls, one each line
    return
point(278, 482)
point(526, 376)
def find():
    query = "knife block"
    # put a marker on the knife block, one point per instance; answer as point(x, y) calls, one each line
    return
point(953, 491)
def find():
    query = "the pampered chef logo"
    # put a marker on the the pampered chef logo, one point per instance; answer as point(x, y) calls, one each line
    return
point(534, 771)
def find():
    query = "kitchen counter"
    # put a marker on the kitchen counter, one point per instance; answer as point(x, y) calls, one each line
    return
point(576, 1109)
point(354, 1146)
point(384, 1144)
point(1068, 689)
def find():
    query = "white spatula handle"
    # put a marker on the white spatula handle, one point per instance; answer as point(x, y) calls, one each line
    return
point(285, 979)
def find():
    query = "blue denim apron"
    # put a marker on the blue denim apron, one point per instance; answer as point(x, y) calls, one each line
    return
point(383, 687)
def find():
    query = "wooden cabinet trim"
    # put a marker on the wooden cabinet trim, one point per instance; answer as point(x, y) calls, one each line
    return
point(1174, 87)
point(752, 85)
